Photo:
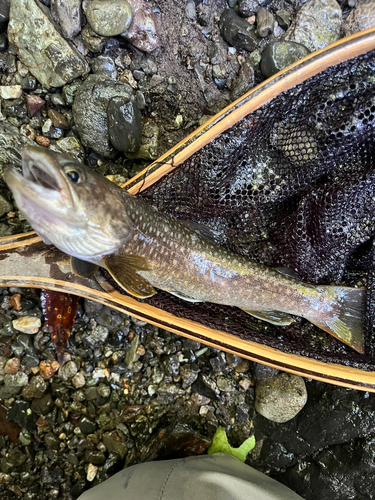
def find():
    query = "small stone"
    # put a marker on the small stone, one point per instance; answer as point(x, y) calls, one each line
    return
point(127, 77)
point(244, 80)
point(190, 10)
point(50, 131)
point(22, 69)
point(3, 42)
point(131, 355)
point(316, 25)
point(115, 443)
point(27, 324)
point(149, 142)
point(283, 19)
point(245, 383)
point(58, 120)
point(13, 384)
point(265, 23)
point(35, 388)
point(109, 17)
point(34, 104)
point(91, 472)
point(243, 367)
point(78, 380)
point(10, 91)
point(15, 299)
point(86, 425)
point(125, 124)
point(52, 441)
point(142, 32)
point(237, 32)
point(93, 41)
point(5, 207)
point(68, 370)
point(43, 405)
point(15, 108)
point(225, 384)
point(12, 366)
point(203, 14)
point(57, 99)
point(104, 65)
point(21, 414)
point(281, 398)
point(48, 368)
point(42, 141)
point(279, 55)
point(68, 14)
point(361, 18)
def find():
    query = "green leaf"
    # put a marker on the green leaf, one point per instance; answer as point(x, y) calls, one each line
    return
point(220, 445)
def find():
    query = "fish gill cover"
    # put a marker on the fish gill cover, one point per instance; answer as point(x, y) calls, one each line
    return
point(291, 185)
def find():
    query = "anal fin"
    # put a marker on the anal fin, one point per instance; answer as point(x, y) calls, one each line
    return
point(83, 268)
point(123, 269)
point(275, 317)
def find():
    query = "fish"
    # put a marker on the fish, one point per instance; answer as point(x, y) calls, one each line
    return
point(99, 224)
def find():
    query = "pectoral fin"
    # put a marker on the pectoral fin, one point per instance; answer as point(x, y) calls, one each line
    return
point(123, 269)
point(83, 268)
point(275, 317)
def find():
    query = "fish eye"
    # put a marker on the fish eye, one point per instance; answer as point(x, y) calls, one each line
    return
point(73, 176)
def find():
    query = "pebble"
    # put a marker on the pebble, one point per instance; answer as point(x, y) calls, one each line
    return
point(42, 141)
point(15, 300)
point(280, 54)
point(68, 14)
point(27, 324)
point(237, 32)
point(361, 18)
point(79, 380)
point(10, 91)
point(93, 41)
point(244, 80)
point(203, 14)
point(13, 384)
point(21, 414)
point(86, 425)
point(57, 99)
point(12, 366)
point(125, 124)
point(14, 108)
point(265, 23)
point(3, 42)
point(115, 443)
point(48, 368)
point(142, 32)
point(90, 111)
point(43, 405)
point(149, 142)
point(104, 65)
point(316, 25)
point(4, 15)
point(58, 120)
point(41, 48)
point(68, 370)
point(51, 132)
point(34, 104)
point(281, 398)
point(283, 18)
point(52, 441)
point(35, 388)
point(109, 17)
point(92, 470)
point(5, 206)
point(190, 10)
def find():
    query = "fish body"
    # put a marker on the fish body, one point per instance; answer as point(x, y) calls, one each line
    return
point(98, 224)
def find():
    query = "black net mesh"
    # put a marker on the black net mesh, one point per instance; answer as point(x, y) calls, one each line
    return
point(290, 185)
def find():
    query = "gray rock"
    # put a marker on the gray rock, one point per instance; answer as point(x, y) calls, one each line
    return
point(15, 108)
point(316, 25)
point(86, 425)
point(99, 335)
point(69, 92)
point(70, 146)
point(28, 83)
point(68, 370)
point(5, 206)
point(265, 23)
point(90, 111)
point(92, 40)
point(125, 124)
point(248, 7)
point(4, 15)
point(68, 14)
point(204, 14)
point(281, 398)
point(237, 32)
point(244, 80)
point(225, 384)
point(13, 384)
point(104, 65)
point(280, 54)
point(43, 405)
point(142, 32)
point(190, 10)
point(8, 62)
point(116, 443)
point(109, 17)
point(30, 360)
point(132, 356)
point(21, 414)
point(361, 18)
point(283, 19)
point(40, 46)
point(35, 388)
point(149, 142)
point(52, 441)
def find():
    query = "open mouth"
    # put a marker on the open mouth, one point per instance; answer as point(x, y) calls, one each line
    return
point(39, 176)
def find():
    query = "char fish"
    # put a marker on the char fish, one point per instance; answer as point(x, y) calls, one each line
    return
point(98, 224)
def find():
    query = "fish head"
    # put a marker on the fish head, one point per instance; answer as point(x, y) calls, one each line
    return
point(69, 205)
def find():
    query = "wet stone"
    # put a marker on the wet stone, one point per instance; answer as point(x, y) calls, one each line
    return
point(142, 32)
point(27, 324)
point(3, 42)
point(244, 80)
point(281, 398)
point(30, 360)
point(50, 131)
point(68, 14)
point(12, 366)
point(28, 83)
point(265, 23)
point(316, 25)
point(4, 15)
point(58, 120)
point(5, 206)
point(218, 363)
point(52, 441)
point(225, 384)
point(237, 32)
point(114, 442)
point(15, 108)
point(35, 388)
point(40, 46)
point(280, 54)
point(78, 380)
point(283, 18)
point(34, 104)
point(68, 370)
point(13, 384)
point(124, 121)
point(104, 65)
point(21, 414)
point(109, 17)
point(86, 425)
point(10, 91)
point(94, 457)
point(361, 18)
point(43, 405)
point(93, 41)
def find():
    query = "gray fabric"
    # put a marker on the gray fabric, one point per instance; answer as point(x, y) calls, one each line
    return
point(207, 477)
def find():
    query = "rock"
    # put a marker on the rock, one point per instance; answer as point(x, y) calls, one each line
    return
point(8, 62)
point(13, 384)
point(51, 132)
point(149, 142)
point(34, 104)
point(237, 32)
point(86, 425)
point(3, 42)
point(225, 384)
point(92, 470)
point(48, 368)
point(40, 47)
point(361, 18)
point(131, 355)
point(5, 206)
point(52, 441)
point(109, 17)
point(280, 54)
point(316, 25)
point(42, 141)
point(190, 10)
point(265, 23)
point(27, 324)
point(93, 41)
point(90, 111)
point(35, 388)
point(281, 398)
point(125, 124)
point(115, 443)
point(104, 65)
point(4, 15)
point(43, 405)
point(28, 83)
point(10, 91)
point(283, 19)
point(69, 146)
point(58, 120)
point(15, 108)
point(79, 380)
point(21, 414)
point(244, 80)
point(68, 14)
point(204, 14)
point(12, 365)
point(189, 375)
point(248, 7)
point(142, 32)
point(68, 370)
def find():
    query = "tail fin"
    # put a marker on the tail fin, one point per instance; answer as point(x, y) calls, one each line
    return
point(344, 316)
